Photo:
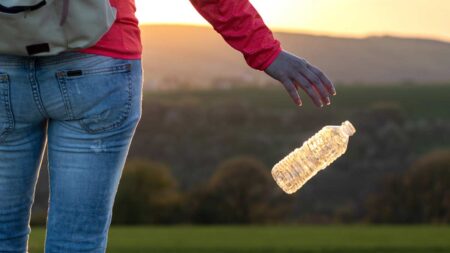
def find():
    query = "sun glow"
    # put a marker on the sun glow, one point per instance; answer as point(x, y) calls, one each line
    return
point(169, 11)
point(341, 17)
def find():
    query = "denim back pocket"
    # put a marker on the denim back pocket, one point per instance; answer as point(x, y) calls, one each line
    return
point(99, 98)
point(6, 115)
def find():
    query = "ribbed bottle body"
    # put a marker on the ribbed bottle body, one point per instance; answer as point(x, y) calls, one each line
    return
point(319, 151)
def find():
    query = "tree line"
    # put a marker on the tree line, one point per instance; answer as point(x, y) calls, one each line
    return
point(241, 191)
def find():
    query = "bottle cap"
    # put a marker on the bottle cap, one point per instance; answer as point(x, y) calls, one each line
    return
point(348, 128)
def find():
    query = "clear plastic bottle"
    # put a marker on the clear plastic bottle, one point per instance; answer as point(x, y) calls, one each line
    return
point(319, 151)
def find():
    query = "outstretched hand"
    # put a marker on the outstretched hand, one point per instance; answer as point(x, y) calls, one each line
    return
point(294, 73)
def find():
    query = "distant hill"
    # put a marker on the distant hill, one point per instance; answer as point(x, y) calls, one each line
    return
point(191, 56)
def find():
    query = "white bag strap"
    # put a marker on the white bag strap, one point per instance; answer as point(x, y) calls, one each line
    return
point(65, 12)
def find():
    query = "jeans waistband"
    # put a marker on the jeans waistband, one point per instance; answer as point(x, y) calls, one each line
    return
point(13, 60)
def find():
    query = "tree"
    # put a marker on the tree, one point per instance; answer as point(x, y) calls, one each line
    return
point(421, 194)
point(147, 194)
point(240, 191)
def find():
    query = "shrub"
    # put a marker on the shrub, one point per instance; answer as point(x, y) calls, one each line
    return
point(147, 194)
point(420, 194)
point(240, 191)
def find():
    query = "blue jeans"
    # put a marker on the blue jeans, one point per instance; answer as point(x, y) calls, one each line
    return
point(85, 108)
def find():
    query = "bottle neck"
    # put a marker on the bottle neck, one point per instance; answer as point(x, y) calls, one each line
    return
point(348, 128)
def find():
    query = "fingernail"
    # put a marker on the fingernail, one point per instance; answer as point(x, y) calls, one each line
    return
point(328, 101)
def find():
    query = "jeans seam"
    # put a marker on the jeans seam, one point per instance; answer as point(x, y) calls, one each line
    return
point(61, 59)
point(63, 89)
point(103, 70)
point(7, 104)
point(35, 89)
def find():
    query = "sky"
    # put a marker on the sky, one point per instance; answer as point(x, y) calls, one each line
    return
point(350, 18)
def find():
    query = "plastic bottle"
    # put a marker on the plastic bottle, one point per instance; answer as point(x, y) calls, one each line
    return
point(319, 151)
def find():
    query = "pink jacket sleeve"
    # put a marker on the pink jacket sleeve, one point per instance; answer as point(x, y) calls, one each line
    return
point(242, 28)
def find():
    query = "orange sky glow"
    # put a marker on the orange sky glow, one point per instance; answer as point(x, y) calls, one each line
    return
point(354, 18)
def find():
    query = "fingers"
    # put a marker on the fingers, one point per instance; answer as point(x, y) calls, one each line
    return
point(328, 84)
point(312, 74)
point(307, 86)
point(295, 72)
point(318, 85)
point(291, 89)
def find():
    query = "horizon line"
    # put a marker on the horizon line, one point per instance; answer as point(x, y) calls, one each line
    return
point(314, 33)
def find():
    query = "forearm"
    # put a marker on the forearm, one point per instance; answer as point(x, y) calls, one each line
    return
point(241, 26)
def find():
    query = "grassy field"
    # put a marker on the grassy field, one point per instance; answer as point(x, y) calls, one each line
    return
point(410, 239)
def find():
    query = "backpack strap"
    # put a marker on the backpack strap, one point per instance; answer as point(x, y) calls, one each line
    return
point(65, 12)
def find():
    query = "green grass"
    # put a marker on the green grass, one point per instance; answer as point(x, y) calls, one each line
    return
point(280, 239)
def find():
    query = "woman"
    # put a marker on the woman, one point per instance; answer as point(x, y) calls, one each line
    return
point(87, 104)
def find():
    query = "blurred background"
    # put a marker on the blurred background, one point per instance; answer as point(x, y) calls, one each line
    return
point(198, 177)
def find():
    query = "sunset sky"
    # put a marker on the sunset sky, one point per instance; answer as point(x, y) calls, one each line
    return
point(418, 18)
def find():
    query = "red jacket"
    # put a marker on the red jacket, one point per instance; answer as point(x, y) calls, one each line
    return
point(236, 20)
